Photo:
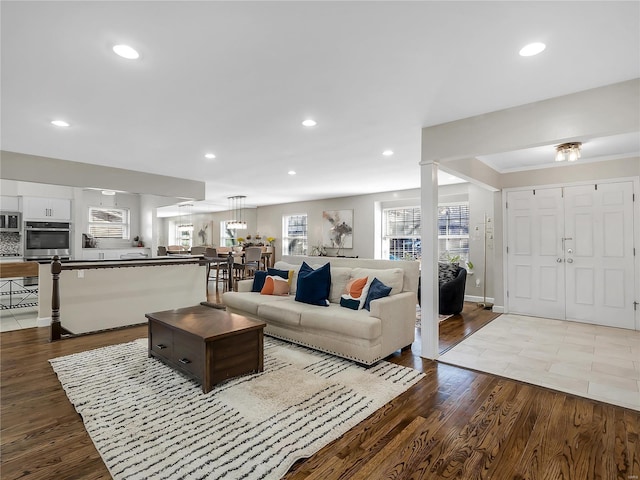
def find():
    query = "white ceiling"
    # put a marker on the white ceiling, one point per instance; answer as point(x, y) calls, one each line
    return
point(237, 79)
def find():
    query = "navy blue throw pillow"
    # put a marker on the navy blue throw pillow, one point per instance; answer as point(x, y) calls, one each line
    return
point(352, 303)
point(280, 273)
point(377, 289)
point(258, 280)
point(313, 285)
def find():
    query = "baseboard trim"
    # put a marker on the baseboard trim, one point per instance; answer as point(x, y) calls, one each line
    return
point(472, 298)
point(498, 308)
point(43, 322)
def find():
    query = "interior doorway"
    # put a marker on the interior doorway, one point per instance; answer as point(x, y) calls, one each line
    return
point(570, 253)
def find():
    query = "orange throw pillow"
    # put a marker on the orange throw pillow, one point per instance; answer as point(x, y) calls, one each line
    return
point(275, 285)
point(355, 286)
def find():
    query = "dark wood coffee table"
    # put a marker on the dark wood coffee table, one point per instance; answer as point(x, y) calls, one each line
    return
point(207, 344)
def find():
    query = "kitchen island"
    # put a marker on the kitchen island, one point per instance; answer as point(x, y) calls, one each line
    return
point(100, 295)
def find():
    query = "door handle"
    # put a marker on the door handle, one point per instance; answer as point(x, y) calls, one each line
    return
point(569, 260)
point(559, 260)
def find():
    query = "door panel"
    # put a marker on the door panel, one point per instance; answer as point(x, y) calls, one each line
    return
point(571, 253)
point(535, 276)
point(599, 256)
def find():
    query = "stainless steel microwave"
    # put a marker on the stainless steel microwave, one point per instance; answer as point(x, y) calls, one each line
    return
point(10, 221)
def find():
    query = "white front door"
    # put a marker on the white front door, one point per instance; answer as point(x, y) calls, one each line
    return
point(535, 259)
point(570, 253)
point(599, 254)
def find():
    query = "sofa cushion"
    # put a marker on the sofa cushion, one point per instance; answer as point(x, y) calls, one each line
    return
point(283, 313)
point(340, 276)
point(248, 301)
point(314, 285)
point(341, 321)
point(392, 277)
point(377, 289)
point(275, 285)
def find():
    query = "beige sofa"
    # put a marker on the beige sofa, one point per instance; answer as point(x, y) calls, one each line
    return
point(360, 335)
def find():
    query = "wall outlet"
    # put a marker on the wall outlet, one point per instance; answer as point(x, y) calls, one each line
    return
point(80, 273)
point(477, 282)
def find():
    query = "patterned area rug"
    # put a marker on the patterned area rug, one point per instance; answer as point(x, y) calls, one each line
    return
point(149, 421)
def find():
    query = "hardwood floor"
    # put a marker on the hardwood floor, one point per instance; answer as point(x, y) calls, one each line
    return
point(454, 423)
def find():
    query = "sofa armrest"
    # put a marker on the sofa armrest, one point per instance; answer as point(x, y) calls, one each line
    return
point(245, 285)
point(397, 315)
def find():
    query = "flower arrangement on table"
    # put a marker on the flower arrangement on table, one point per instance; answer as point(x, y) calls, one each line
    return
point(270, 241)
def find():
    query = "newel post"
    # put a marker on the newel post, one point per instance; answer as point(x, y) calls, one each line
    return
point(56, 268)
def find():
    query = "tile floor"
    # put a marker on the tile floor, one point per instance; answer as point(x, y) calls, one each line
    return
point(18, 318)
point(601, 363)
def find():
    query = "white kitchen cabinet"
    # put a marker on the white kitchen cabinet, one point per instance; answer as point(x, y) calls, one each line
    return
point(36, 208)
point(9, 204)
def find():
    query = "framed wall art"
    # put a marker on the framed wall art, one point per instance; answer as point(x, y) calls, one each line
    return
point(337, 229)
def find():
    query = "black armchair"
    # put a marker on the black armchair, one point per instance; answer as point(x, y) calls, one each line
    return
point(452, 280)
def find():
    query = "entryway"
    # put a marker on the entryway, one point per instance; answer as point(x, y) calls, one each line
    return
point(570, 253)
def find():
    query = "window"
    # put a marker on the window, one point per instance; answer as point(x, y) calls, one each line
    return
point(401, 234)
point(294, 234)
point(109, 222)
point(228, 236)
point(453, 231)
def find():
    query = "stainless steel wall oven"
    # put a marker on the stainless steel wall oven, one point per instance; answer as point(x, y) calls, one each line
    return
point(43, 240)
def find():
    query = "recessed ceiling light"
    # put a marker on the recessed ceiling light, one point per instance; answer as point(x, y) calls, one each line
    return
point(309, 123)
point(209, 155)
point(125, 51)
point(60, 123)
point(532, 49)
point(291, 172)
point(387, 153)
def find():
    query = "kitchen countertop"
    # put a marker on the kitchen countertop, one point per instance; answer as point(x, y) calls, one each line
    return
point(19, 269)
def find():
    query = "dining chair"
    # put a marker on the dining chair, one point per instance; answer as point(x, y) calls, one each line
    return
point(252, 256)
point(198, 250)
point(162, 251)
point(213, 256)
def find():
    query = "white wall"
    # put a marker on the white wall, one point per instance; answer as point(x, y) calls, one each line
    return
point(365, 208)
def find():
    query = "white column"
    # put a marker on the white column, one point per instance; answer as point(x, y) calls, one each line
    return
point(429, 235)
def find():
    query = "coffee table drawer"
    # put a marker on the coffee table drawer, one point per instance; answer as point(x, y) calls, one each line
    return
point(161, 340)
point(188, 354)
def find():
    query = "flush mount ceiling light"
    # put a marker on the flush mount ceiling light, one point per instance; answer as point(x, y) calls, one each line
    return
point(532, 49)
point(291, 172)
point(125, 51)
point(210, 156)
point(309, 123)
point(60, 123)
point(387, 153)
point(568, 151)
point(108, 193)
point(236, 207)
